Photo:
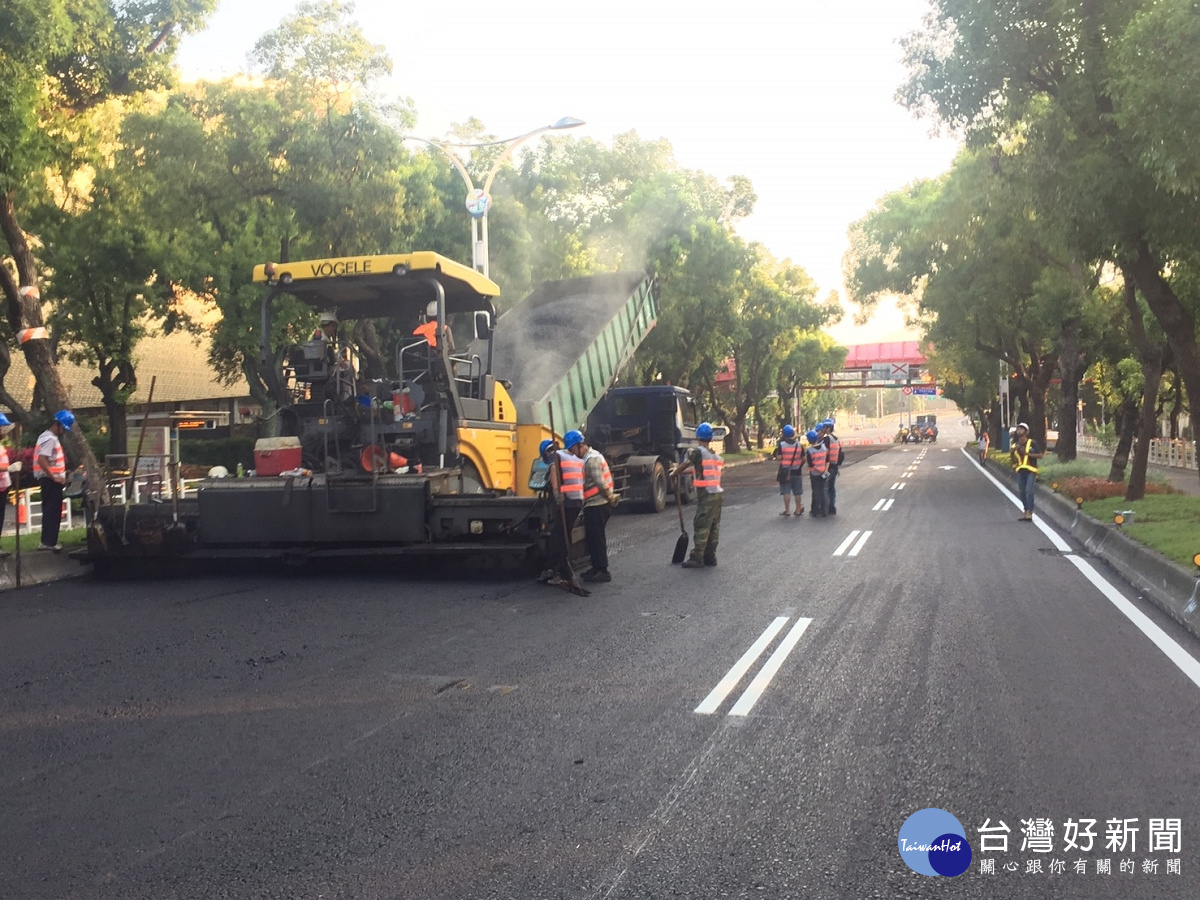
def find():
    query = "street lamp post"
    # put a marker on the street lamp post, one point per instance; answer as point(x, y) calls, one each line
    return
point(479, 200)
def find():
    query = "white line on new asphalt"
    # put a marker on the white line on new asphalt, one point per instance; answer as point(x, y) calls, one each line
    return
point(718, 694)
point(888, 504)
point(902, 485)
point(1167, 644)
point(846, 543)
point(767, 672)
point(878, 506)
point(862, 540)
point(896, 486)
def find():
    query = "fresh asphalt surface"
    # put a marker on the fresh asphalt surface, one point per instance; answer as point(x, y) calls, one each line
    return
point(298, 735)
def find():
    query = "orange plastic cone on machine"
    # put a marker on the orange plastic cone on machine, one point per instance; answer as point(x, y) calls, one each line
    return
point(22, 509)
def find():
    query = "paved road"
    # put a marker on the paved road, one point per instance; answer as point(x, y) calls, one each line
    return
point(478, 736)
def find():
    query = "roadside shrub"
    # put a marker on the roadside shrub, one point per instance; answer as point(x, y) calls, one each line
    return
point(1091, 488)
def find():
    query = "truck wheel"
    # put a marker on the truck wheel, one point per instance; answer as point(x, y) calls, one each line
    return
point(658, 489)
point(687, 490)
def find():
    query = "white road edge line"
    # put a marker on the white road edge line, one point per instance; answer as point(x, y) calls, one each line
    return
point(1168, 645)
point(726, 685)
point(846, 543)
point(767, 672)
point(1058, 542)
point(862, 540)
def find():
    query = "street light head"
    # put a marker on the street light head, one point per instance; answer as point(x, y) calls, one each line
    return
point(567, 122)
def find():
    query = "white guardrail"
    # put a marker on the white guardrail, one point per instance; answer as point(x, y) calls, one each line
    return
point(27, 504)
point(1163, 452)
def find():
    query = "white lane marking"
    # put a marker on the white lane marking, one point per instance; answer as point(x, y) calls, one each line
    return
point(767, 672)
point(862, 540)
point(1168, 645)
point(1186, 662)
point(888, 504)
point(897, 486)
point(846, 543)
point(878, 506)
point(1058, 542)
point(718, 694)
point(902, 485)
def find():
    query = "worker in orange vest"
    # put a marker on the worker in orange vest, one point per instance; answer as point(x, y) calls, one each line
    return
point(790, 451)
point(817, 457)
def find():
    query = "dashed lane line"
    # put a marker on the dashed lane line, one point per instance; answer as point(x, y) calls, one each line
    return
point(718, 694)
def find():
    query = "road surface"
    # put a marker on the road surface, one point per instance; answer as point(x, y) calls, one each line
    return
point(385, 734)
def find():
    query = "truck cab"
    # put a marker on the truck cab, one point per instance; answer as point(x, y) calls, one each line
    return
point(643, 431)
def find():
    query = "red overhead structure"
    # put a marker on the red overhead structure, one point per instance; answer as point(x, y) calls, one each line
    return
point(864, 356)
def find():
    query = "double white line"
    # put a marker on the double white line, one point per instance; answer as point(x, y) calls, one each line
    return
point(841, 550)
point(734, 676)
point(883, 505)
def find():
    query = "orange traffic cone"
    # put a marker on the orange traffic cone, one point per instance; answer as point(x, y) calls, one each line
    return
point(22, 509)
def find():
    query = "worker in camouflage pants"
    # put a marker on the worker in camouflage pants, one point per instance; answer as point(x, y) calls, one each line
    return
point(706, 529)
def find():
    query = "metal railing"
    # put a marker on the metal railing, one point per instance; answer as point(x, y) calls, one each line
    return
point(1163, 451)
point(27, 512)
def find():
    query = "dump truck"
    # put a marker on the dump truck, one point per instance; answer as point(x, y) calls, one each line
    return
point(398, 440)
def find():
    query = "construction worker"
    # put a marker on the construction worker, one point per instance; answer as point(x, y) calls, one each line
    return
point(1024, 455)
point(836, 457)
point(50, 470)
point(791, 468)
point(599, 498)
point(5, 477)
point(706, 528)
point(566, 482)
point(817, 457)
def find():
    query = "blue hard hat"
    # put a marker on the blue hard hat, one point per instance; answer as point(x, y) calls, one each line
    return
point(704, 432)
point(789, 432)
point(4, 420)
point(65, 418)
point(827, 423)
point(812, 436)
point(571, 438)
point(544, 446)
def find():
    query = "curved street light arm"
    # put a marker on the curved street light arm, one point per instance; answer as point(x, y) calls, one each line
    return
point(462, 170)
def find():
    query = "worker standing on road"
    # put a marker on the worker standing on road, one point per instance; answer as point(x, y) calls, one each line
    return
point(5, 478)
point(834, 463)
point(706, 528)
point(566, 481)
point(1024, 455)
point(791, 468)
point(50, 470)
point(599, 498)
point(817, 457)
point(984, 440)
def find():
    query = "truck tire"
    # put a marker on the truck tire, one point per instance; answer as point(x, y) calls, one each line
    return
point(687, 489)
point(658, 489)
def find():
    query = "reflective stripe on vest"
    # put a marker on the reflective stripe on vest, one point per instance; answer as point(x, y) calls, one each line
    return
point(835, 450)
point(791, 455)
point(1023, 461)
point(605, 475)
point(572, 475)
point(58, 465)
point(818, 457)
point(709, 475)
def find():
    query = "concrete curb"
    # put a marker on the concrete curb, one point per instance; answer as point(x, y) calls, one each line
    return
point(39, 568)
point(1165, 583)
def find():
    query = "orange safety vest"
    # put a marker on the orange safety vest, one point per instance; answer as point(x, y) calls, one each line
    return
point(791, 454)
point(5, 478)
point(58, 465)
point(1023, 460)
point(818, 459)
point(709, 476)
point(605, 475)
point(835, 450)
point(571, 467)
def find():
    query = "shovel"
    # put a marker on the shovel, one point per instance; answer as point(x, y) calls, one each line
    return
point(681, 544)
point(572, 583)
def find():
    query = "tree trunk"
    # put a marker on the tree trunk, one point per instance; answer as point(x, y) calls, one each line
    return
point(1125, 421)
point(1177, 321)
point(1072, 363)
point(1152, 373)
point(24, 308)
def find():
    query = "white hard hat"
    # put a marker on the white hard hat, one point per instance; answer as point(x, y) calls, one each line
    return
point(218, 472)
point(431, 309)
point(1022, 425)
point(329, 317)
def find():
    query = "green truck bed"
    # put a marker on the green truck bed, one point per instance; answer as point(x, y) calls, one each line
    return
point(564, 344)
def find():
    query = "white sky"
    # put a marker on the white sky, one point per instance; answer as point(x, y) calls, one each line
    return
point(795, 95)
